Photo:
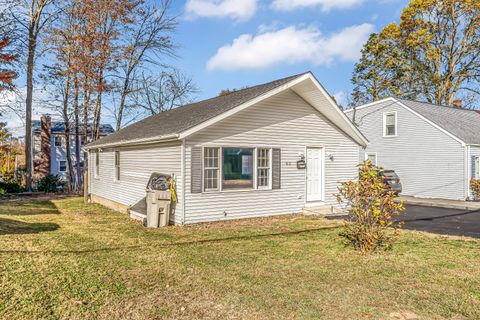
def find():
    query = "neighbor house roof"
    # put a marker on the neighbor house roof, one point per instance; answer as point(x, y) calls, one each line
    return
point(464, 124)
point(58, 127)
point(173, 123)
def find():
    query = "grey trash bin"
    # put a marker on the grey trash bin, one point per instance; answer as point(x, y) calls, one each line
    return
point(158, 200)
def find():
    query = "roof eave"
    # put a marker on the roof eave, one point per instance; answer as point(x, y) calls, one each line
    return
point(124, 143)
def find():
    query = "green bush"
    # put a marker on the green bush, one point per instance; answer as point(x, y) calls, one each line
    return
point(371, 224)
point(11, 187)
point(2, 192)
point(50, 183)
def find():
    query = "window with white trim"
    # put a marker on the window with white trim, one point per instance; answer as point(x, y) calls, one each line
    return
point(263, 168)
point(57, 141)
point(236, 168)
point(372, 157)
point(390, 124)
point(97, 164)
point(62, 166)
point(117, 165)
point(211, 168)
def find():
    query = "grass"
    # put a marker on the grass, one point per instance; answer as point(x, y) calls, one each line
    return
point(62, 259)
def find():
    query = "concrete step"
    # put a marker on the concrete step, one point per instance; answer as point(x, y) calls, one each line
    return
point(325, 210)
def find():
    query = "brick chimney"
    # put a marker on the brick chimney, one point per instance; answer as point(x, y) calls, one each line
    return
point(457, 103)
point(43, 160)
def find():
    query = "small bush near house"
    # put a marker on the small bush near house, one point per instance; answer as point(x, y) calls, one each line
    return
point(370, 226)
point(2, 192)
point(49, 183)
point(11, 187)
point(475, 187)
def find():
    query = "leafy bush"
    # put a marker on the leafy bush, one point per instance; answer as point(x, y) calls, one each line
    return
point(11, 187)
point(2, 192)
point(49, 183)
point(370, 226)
point(475, 187)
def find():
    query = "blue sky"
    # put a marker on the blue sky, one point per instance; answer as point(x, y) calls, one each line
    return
point(334, 30)
point(238, 43)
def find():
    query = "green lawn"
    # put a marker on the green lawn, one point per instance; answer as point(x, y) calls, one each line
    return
point(62, 259)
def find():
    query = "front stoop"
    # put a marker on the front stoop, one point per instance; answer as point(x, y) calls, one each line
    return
point(325, 210)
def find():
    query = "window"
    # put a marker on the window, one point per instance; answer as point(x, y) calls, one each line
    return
point(234, 168)
point(62, 166)
point(58, 141)
point(97, 164)
point(237, 168)
point(211, 168)
point(390, 124)
point(372, 157)
point(117, 165)
point(263, 167)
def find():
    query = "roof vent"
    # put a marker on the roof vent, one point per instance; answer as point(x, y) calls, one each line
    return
point(457, 103)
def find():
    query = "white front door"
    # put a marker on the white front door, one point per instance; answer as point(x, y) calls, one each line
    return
point(314, 174)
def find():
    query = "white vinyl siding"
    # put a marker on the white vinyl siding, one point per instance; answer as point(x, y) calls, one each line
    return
point(138, 163)
point(429, 162)
point(288, 123)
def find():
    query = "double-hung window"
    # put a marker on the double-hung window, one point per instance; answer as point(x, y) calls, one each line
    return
point(263, 168)
point(62, 166)
point(390, 124)
point(57, 141)
point(476, 167)
point(372, 157)
point(236, 168)
point(117, 165)
point(211, 168)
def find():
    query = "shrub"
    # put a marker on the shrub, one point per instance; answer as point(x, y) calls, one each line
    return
point(49, 183)
point(11, 187)
point(475, 187)
point(370, 226)
point(2, 192)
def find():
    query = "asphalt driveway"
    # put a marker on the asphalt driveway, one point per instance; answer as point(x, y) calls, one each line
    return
point(442, 221)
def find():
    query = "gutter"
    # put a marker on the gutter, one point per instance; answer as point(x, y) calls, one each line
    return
point(165, 138)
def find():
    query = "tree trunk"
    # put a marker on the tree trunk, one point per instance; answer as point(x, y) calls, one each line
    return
point(66, 124)
point(86, 103)
point(98, 109)
point(79, 175)
point(32, 44)
point(122, 102)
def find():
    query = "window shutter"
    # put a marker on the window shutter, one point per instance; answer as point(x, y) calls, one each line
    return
point(475, 167)
point(276, 168)
point(197, 170)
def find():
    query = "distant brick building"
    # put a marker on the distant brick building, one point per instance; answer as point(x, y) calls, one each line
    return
point(49, 147)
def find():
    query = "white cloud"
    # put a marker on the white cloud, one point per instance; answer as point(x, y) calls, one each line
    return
point(235, 9)
point(291, 45)
point(340, 98)
point(325, 5)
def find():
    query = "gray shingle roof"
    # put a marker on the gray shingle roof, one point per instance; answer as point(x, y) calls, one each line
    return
point(185, 117)
point(462, 123)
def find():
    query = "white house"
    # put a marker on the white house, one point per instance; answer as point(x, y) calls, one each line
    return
point(434, 149)
point(234, 156)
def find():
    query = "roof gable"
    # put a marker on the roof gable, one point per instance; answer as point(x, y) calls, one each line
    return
point(461, 124)
point(183, 121)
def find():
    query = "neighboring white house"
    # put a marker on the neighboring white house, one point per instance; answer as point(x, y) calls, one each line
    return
point(434, 149)
point(234, 156)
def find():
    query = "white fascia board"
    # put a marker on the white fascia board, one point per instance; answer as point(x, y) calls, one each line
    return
point(370, 104)
point(167, 138)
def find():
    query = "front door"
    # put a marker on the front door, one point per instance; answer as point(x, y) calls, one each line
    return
point(314, 174)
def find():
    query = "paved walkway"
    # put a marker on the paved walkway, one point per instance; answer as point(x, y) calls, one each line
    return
point(441, 203)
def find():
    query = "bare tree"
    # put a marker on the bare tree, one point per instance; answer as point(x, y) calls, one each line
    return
point(147, 42)
point(33, 16)
point(165, 92)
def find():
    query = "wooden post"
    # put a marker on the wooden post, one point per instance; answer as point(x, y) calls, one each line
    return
point(85, 186)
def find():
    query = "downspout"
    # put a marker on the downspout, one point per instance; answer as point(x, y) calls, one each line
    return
point(467, 169)
point(183, 170)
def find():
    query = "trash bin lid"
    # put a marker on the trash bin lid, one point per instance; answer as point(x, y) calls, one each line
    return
point(159, 181)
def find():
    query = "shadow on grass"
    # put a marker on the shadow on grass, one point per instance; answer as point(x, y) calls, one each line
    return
point(9, 226)
point(182, 243)
point(23, 208)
